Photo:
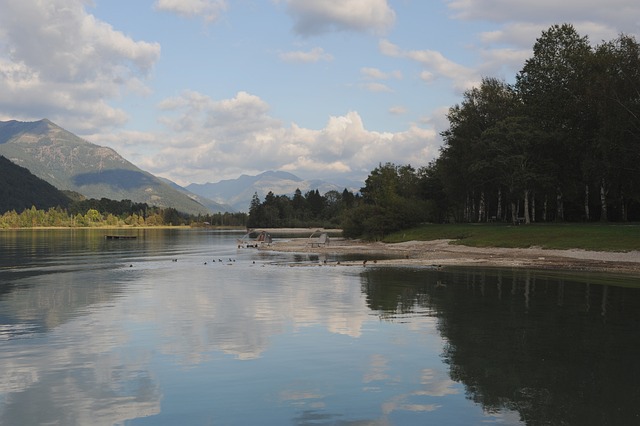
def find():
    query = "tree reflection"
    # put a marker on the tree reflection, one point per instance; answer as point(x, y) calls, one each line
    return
point(558, 350)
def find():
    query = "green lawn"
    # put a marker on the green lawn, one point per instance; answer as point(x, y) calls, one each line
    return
point(602, 237)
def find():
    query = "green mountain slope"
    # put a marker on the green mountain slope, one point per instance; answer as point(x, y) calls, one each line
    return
point(68, 162)
point(20, 189)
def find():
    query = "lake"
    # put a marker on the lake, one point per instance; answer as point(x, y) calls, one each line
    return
point(182, 327)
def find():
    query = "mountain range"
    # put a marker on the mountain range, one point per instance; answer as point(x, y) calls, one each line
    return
point(239, 192)
point(70, 163)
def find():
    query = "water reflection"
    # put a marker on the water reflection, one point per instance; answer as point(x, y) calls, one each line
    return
point(558, 351)
point(100, 333)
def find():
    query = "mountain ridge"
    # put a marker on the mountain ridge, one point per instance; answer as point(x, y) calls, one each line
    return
point(69, 162)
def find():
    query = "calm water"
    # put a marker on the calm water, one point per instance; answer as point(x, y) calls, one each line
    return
point(96, 332)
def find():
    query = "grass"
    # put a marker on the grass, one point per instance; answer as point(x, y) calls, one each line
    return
point(599, 237)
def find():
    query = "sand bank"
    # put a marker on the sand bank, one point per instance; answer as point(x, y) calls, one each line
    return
point(442, 252)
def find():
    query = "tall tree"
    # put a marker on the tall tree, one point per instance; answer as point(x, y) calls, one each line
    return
point(465, 162)
point(515, 145)
point(615, 90)
point(552, 87)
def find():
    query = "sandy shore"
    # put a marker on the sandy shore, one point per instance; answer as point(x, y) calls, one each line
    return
point(442, 252)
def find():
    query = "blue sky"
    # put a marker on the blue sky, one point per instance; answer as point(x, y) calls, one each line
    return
point(205, 90)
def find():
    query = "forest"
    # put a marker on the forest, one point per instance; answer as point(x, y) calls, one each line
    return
point(562, 143)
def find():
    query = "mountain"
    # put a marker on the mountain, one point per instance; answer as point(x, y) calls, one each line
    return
point(70, 163)
point(239, 192)
point(20, 189)
point(210, 204)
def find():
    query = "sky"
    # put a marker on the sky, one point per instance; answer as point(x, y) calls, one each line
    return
point(200, 91)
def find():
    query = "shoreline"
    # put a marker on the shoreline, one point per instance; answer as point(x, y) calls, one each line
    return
point(443, 253)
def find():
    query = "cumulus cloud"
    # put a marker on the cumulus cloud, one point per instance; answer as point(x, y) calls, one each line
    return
point(314, 55)
point(313, 17)
point(209, 10)
point(207, 140)
point(56, 60)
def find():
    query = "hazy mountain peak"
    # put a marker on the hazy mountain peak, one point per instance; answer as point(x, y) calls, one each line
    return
point(239, 192)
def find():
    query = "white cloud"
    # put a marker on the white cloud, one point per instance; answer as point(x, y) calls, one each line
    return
point(370, 75)
point(314, 17)
point(398, 110)
point(208, 140)
point(435, 64)
point(376, 74)
point(377, 87)
point(209, 10)
point(621, 13)
point(58, 61)
point(314, 55)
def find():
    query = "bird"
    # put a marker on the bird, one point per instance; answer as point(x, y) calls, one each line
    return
point(364, 263)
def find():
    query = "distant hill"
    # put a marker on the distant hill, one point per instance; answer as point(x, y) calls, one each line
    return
point(239, 192)
point(210, 204)
point(20, 189)
point(70, 163)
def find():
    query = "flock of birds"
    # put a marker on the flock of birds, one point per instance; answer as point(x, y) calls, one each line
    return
point(230, 261)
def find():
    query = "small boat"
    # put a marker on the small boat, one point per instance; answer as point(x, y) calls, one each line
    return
point(120, 237)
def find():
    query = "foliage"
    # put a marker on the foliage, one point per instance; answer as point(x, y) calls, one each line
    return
point(308, 210)
point(20, 189)
point(391, 201)
point(563, 143)
point(134, 215)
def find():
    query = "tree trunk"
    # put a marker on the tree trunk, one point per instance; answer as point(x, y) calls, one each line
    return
point(559, 206)
point(499, 211)
point(472, 213)
point(467, 208)
point(603, 201)
point(513, 213)
point(586, 202)
point(533, 207)
point(544, 210)
point(481, 208)
point(527, 218)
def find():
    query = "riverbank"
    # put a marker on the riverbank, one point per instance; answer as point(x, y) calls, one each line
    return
point(442, 253)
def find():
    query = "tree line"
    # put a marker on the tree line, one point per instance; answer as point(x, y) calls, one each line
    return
point(308, 210)
point(106, 212)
